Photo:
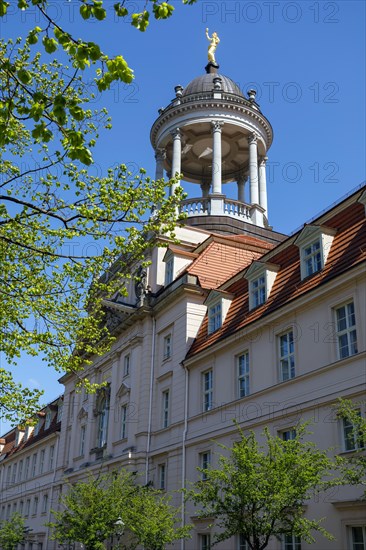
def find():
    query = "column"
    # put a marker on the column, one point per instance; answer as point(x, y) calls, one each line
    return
point(160, 156)
point(216, 160)
point(263, 184)
point(177, 157)
point(241, 188)
point(253, 169)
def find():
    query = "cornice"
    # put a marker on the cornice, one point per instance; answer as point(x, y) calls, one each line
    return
point(224, 105)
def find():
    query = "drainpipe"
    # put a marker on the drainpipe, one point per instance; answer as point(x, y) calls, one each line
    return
point(184, 438)
point(53, 486)
point(152, 365)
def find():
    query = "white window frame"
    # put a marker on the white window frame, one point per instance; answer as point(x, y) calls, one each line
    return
point(20, 470)
point(162, 471)
point(307, 239)
point(351, 542)
point(44, 503)
point(205, 541)
point(205, 458)
point(51, 457)
point(207, 390)
point(215, 317)
point(288, 435)
point(243, 374)
point(293, 544)
point(126, 364)
point(258, 291)
point(167, 346)
point(165, 408)
point(286, 357)
point(349, 438)
point(41, 461)
point(35, 506)
point(103, 401)
point(169, 271)
point(124, 421)
point(349, 331)
point(47, 422)
point(242, 544)
point(27, 507)
point(60, 407)
point(82, 440)
point(26, 467)
point(34, 465)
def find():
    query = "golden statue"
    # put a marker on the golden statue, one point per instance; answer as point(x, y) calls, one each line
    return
point(214, 40)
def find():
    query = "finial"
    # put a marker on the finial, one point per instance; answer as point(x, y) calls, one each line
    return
point(214, 41)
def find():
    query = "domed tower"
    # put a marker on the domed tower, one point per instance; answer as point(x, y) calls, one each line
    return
point(212, 134)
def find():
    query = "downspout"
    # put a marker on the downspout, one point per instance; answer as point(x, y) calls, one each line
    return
point(58, 434)
point(152, 368)
point(184, 438)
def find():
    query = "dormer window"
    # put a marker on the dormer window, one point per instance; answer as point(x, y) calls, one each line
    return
point(261, 277)
point(47, 422)
point(214, 317)
point(258, 291)
point(314, 243)
point(60, 405)
point(218, 303)
point(169, 271)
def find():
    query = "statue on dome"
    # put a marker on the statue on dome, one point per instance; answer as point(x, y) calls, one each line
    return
point(214, 40)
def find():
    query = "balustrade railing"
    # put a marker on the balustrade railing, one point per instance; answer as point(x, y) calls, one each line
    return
point(201, 207)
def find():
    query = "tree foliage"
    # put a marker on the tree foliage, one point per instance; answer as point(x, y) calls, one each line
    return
point(353, 466)
point(60, 226)
point(12, 532)
point(259, 491)
point(90, 509)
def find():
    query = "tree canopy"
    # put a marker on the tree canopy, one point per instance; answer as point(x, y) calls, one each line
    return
point(12, 532)
point(60, 226)
point(90, 509)
point(259, 491)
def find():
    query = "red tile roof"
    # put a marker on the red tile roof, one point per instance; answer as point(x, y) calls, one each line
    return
point(348, 250)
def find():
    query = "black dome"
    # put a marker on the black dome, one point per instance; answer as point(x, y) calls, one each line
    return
point(204, 83)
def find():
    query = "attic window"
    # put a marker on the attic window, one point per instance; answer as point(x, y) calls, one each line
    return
point(261, 277)
point(218, 303)
point(169, 271)
point(214, 317)
point(48, 419)
point(314, 243)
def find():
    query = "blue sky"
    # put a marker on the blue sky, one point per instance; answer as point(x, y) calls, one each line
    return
point(305, 58)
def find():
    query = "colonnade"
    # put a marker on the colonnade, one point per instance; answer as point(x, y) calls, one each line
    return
point(257, 167)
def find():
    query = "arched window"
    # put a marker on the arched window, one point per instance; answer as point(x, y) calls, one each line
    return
point(102, 417)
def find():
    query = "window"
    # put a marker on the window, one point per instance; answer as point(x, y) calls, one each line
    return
point(312, 258)
point(45, 503)
point(41, 461)
point(288, 435)
point(162, 477)
point(126, 365)
point(346, 330)
point(26, 468)
point(103, 415)
point(352, 441)
point(205, 463)
point(8, 475)
point(34, 465)
point(21, 507)
point(124, 421)
point(51, 457)
point(48, 420)
point(169, 271)
point(243, 545)
point(27, 507)
point(358, 537)
point(14, 473)
point(35, 506)
point(37, 427)
point(59, 411)
point(205, 542)
point(258, 291)
point(214, 317)
point(71, 405)
point(165, 408)
point(167, 346)
point(287, 356)
point(82, 441)
point(207, 390)
point(291, 542)
point(20, 470)
point(243, 374)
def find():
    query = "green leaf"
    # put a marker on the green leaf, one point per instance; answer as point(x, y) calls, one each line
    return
point(120, 10)
point(50, 44)
point(3, 7)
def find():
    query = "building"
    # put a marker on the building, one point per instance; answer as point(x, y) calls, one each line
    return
point(236, 321)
